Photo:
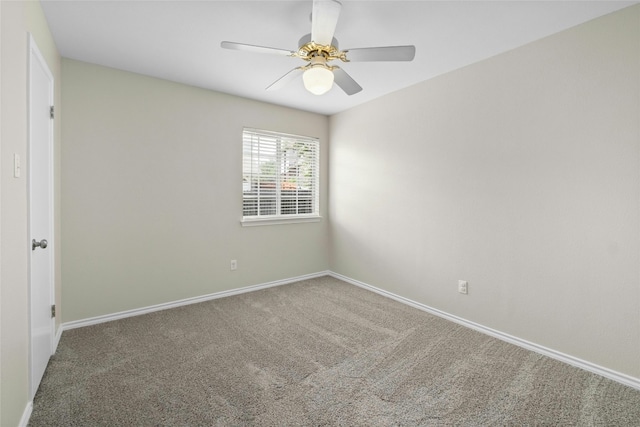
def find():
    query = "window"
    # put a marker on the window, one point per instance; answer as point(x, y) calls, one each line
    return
point(279, 177)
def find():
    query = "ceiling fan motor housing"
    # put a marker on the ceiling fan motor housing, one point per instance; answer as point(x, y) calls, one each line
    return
point(309, 49)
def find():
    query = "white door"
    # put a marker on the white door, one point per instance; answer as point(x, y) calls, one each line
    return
point(40, 214)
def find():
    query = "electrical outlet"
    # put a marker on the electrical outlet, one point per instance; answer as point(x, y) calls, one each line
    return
point(463, 286)
point(234, 265)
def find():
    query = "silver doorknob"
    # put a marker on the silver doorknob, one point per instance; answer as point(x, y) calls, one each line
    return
point(42, 243)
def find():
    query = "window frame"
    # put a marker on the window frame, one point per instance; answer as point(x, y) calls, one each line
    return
point(248, 137)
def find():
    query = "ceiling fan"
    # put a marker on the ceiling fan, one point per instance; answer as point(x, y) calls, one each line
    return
point(320, 47)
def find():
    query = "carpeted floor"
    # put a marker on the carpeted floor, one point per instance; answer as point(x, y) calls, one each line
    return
point(315, 353)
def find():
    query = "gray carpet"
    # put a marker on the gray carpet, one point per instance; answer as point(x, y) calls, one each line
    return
point(315, 353)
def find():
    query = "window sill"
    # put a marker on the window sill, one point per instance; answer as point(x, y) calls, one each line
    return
point(252, 222)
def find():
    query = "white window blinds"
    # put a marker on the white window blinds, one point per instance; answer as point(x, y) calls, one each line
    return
point(279, 175)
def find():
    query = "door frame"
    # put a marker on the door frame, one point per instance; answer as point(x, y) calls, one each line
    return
point(34, 53)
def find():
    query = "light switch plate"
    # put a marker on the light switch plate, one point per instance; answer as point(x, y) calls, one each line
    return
point(16, 165)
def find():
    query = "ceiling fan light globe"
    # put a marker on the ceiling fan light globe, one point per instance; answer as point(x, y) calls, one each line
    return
point(318, 80)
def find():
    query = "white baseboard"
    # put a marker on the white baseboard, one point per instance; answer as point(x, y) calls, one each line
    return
point(573, 361)
point(24, 421)
point(56, 339)
point(173, 304)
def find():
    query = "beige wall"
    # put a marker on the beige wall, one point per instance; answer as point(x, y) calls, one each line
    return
point(18, 18)
point(152, 193)
point(519, 174)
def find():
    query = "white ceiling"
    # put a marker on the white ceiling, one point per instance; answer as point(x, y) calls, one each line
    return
point(180, 40)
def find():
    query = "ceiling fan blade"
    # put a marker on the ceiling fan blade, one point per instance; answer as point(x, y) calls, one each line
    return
point(344, 80)
point(388, 53)
point(324, 19)
point(286, 79)
point(256, 49)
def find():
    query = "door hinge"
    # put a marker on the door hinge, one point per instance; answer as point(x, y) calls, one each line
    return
point(53, 310)
point(51, 112)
